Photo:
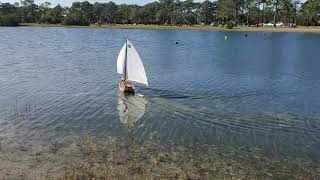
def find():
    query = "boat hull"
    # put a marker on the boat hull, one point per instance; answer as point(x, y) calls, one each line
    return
point(126, 87)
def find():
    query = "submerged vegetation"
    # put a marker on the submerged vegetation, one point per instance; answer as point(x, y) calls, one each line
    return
point(227, 13)
point(89, 157)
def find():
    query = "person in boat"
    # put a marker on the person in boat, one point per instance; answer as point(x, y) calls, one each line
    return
point(123, 83)
point(126, 85)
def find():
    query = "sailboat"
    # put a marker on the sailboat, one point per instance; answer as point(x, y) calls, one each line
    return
point(130, 65)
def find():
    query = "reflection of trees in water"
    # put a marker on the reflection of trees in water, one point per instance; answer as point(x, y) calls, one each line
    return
point(131, 109)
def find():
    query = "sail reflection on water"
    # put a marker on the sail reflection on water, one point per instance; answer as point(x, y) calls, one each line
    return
point(131, 109)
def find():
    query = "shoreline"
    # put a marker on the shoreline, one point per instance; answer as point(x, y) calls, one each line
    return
point(301, 29)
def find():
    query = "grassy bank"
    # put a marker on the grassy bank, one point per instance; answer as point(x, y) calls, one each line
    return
point(194, 27)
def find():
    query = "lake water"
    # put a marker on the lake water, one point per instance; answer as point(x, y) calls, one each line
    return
point(251, 105)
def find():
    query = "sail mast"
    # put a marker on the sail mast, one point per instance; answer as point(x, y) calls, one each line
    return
point(125, 63)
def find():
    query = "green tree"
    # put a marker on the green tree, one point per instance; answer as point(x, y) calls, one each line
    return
point(226, 10)
point(8, 15)
point(123, 14)
point(173, 12)
point(29, 11)
point(57, 14)
point(53, 15)
point(295, 4)
point(44, 11)
point(80, 13)
point(275, 5)
point(189, 12)
point(150, 13)
point(207, 12)
point(311, 12)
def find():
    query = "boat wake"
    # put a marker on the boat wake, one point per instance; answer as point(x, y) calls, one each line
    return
point(240, 111)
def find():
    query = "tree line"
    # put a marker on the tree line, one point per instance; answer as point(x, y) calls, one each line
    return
point(165, 12)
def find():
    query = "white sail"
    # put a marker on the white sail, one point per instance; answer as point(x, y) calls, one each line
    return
point(121, 60)
point(135, 68)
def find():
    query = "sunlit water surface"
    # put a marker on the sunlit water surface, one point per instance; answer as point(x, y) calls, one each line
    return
point(260, 92)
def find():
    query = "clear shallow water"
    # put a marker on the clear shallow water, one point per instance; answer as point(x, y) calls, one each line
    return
point(256, 92)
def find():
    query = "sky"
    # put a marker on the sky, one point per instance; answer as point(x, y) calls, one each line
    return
point(69, 2)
